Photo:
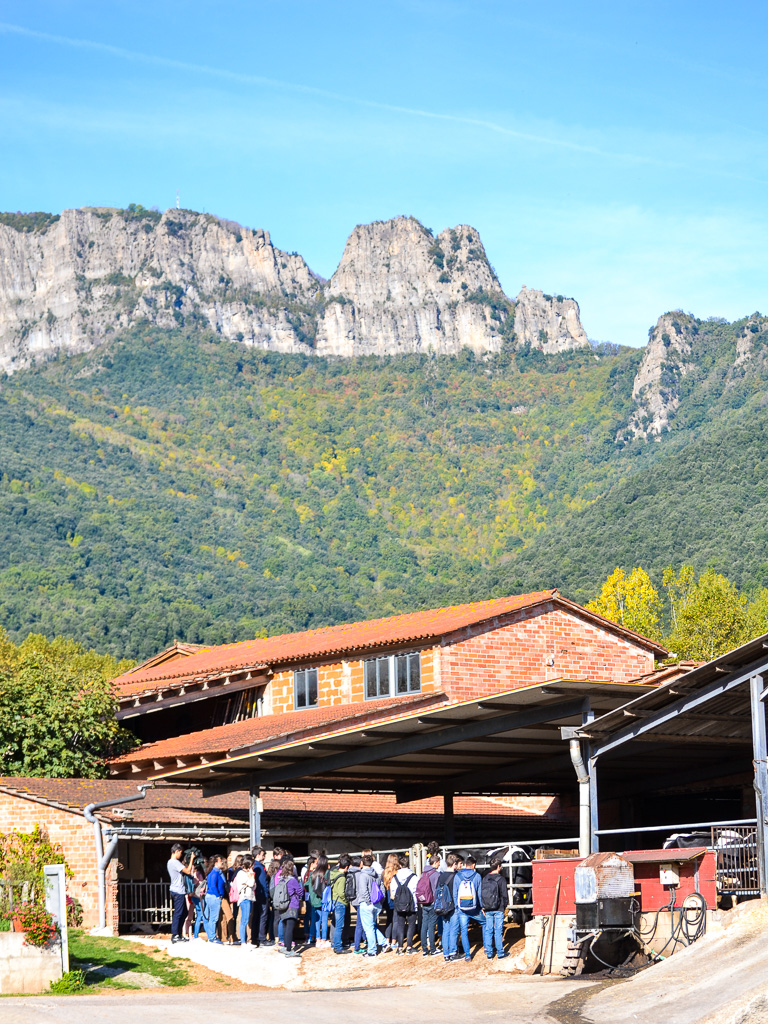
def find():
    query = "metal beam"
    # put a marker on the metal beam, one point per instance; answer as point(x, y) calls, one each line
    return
point(254, 816)
point(397, 748)
point(760, 758)
point(448, 819)
point(692, 700)
point(594, 816)
point(529, 770)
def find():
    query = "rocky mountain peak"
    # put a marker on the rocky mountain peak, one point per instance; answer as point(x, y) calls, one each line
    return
point(551, 323)
point(68, 282)
point(665, 361)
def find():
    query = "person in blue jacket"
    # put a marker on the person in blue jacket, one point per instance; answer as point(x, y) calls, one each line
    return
point(466, 897)
point(216, 891)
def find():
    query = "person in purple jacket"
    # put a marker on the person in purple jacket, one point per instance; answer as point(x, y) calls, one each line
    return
point(290, 916)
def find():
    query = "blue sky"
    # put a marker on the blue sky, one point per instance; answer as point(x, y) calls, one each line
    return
point(617, 153)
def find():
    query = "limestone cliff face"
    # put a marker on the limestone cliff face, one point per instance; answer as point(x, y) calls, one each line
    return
point(69, 283)
point(399, 289)
point(547, 322)
point(666, 360)
point(95, 272)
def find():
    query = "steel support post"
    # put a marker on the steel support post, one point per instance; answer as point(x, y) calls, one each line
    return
point(254, 816)
point(449, 826)
point(594, 818)
point(760, 761)
point(587, 792)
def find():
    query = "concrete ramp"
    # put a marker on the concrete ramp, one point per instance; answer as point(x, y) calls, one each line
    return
point(722, 979)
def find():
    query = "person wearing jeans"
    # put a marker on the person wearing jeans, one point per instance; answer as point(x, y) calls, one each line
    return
point(217, 890)
point(495, 898)
point(340, 902)
point(245, 883)
point(368, 912)
point(176, 872)
point(467, 878)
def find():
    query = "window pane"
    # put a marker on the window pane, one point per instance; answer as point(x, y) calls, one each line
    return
point(370, 679)
point(402, 673)
point(383, 664)
point(415, 673)
point(311, 689)
point(299, 692)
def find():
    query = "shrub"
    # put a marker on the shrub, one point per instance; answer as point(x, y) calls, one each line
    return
point(36, 922)
point(72, 981)
point(74, 912)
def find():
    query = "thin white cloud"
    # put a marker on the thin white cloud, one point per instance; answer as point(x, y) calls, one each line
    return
point(280, 84)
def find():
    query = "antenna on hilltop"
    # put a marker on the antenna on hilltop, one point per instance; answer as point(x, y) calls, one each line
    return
point(177, 199)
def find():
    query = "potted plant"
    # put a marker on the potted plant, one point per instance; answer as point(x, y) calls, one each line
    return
point(35, 921)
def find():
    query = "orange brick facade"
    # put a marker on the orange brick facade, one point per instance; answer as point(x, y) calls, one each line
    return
point(534, 646)
point(75, 836)
point(523, 648)
point(339, 682)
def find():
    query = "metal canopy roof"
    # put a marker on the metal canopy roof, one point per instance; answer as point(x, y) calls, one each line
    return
point(708, 706)
point(493, 744)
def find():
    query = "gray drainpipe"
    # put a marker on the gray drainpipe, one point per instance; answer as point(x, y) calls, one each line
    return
point(583, 777)
point(103, 857)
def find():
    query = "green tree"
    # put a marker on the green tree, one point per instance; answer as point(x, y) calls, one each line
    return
point(712, 620)
point(57, 710)
point(631, 601)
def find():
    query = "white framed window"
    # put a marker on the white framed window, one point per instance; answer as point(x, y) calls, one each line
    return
point(392, 675)
point(305, 688)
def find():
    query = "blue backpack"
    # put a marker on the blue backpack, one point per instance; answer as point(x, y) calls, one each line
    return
point(327, 904)
point(443, 904)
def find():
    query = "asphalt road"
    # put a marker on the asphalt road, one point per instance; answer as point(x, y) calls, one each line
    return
point(509, 1001)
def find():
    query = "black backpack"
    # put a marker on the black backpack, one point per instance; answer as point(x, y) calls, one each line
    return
point(350, 885)
point(403, 901)
point(490, 897)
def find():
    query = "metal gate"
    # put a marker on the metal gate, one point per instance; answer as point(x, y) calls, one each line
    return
point(738, 872)
point(146, 903)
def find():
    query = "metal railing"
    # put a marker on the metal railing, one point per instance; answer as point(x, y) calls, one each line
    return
point(14, 893)
point(144, 903)
point(736, 850)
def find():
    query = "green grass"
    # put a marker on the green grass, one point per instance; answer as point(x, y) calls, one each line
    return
point(89, 951)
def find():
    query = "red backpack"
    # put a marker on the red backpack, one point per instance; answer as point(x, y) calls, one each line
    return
point(425, 893)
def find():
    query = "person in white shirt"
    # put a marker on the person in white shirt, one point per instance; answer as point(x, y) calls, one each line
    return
point(245, 883)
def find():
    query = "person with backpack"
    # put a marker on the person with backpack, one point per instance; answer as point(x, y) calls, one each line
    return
point(402, 889)
point(425, 900)
point(286, 900)
point(276, 925)
point(340, 901)
point(368, 901)
point(444, 906)
point(466, 897)
point(494, 896)
point(309, 925)
point(391, 868)
point(316, 885)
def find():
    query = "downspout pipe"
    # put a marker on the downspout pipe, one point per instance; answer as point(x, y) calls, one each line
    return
point(103, 857)
point(583, 778)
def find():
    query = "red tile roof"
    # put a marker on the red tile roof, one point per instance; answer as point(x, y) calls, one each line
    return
point(313, 643)
point(179, 805)
point(287, 726)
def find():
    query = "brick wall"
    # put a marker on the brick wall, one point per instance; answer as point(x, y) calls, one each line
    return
point(532, 646)
point(339, 682)
point(75, 836)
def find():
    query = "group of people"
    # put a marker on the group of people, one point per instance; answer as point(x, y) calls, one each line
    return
point(253, 903)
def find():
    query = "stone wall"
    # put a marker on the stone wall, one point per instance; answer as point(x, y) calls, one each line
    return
point(26, 970)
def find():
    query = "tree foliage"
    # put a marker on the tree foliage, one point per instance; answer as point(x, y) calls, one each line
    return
point(57, 710)
point(631, 601)
point(703, 618)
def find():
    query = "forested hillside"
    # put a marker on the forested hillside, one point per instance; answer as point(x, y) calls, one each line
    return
point(175, 485)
